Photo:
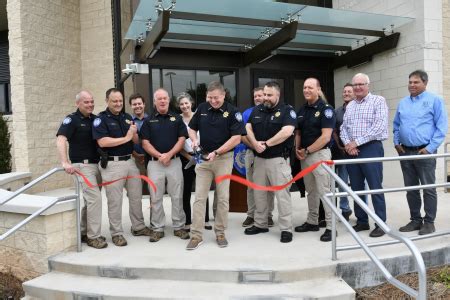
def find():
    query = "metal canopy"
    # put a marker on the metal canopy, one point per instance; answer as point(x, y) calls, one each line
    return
point(259, 27)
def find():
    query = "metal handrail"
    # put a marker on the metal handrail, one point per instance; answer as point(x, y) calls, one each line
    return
point(445, 163)
point(46, 207)
point(421, 293)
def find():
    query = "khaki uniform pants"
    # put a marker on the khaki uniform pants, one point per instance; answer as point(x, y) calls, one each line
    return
point(158, 173)
point(250, 169)
point(206, 172)
point(91, 212)
point(317, 183)
point(114, 193)
point(273, 171)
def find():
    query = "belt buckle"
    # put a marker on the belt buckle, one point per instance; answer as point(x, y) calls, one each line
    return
point(116, 158)
point(85, 161)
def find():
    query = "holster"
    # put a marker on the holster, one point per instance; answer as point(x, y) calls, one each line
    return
point(103, 158)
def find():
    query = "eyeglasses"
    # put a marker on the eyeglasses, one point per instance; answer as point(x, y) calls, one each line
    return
point(359, 84)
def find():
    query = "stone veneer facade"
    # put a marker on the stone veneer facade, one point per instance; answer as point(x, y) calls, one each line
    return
point(420, 47)
point(56, 49)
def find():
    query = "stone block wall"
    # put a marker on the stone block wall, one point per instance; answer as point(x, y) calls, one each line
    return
point(25, 252)
point(44, 39)
point(56, 49)
point(420, 47)
point(97, 64)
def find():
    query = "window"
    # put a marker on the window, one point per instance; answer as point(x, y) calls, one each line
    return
point(5, 99)
point(194, 82)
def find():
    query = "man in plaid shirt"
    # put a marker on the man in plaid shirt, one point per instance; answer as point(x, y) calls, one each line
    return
point(365, 125)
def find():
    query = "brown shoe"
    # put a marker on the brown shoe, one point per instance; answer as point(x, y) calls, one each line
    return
point(221, 241)
point(84, 238)
point(144, 231)
point(119, 241)
point(182, 234)
point(97, 243)
point(194, 243)
point(156, 236)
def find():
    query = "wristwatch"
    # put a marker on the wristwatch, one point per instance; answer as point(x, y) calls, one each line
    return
point(216, 153)
point(307, 151)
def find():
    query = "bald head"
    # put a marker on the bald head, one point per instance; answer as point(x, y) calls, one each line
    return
point(85, 103)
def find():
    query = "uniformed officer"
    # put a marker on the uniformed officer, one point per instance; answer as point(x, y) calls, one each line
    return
point(163, 135)
point(115, 134)
point(270, 129)
point(316, 121)
point(220, 126)
point(76, 129)
point(137, 104)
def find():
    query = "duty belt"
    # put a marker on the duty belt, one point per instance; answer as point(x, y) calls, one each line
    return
point(85, 161)
point(119, 158)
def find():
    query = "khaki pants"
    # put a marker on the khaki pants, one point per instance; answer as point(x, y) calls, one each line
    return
point(250, 169)
point(206, 172)
point(142, 171)
point(317, 183)
point(273, 171)
point(114, 193)
point(91, 212)
point(158, 173)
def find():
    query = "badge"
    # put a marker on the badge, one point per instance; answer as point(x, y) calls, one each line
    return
point(225, 114)
point(317, 114)
point(128, 121)
point(172, 119)
point(277, 114)
point(328, 113)
point(238, 117)
point(67, 121)
point(293, 114)
point(97, 122)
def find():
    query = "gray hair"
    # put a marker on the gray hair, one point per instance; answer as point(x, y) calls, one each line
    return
point(184, 95)
point(365, 76)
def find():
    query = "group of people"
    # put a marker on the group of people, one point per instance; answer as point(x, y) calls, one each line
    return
point(162, 146)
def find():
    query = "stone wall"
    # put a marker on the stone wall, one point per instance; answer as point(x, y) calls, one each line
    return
point(420, 47)
point(56, 49)
point(44, 39)
point(25, 253)
point(97, 64)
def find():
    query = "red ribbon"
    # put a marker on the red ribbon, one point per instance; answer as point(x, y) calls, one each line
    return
point(89, 184)
point(273, 188)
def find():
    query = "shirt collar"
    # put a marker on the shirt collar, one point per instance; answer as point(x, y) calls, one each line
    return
point(316, 104)
point(136, 118)
point(78, 112)
point(169, 114)
point(221, 109)
point(418, 97)
point(363, 99)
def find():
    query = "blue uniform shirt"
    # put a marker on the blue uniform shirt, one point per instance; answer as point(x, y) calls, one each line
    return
point(138, 147)
point(421, 120)
point(114, 126)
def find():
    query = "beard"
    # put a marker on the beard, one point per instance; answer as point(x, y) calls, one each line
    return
point(267, 104)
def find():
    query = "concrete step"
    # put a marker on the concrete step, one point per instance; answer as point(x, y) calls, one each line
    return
point(58, 286)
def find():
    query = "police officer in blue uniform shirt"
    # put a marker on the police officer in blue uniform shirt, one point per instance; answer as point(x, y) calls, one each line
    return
point(76, 129)
point(270, 129)
point(316, 121)
point(163, 135)
point(115, 133)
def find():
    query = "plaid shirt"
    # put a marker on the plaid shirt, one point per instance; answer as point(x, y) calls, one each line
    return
point(365, 120)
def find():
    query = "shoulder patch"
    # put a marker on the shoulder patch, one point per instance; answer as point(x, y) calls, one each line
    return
point(238, 116)
point(328, 113)
point(67, 120)
point(97, 122)
point(293, 114)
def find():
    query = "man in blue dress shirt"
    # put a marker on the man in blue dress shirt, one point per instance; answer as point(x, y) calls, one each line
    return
point(420, 125)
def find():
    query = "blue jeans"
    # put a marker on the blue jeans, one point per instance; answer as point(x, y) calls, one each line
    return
point(373, 173)
point(341, 170)
point(421, 172)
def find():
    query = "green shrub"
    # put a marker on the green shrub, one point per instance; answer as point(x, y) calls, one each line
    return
point(5, 147)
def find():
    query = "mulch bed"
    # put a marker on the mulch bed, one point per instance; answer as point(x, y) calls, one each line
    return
point(438, 285)
point(10, 287)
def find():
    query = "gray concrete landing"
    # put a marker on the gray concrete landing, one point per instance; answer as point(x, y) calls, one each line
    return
point(250, 267)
